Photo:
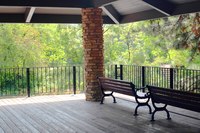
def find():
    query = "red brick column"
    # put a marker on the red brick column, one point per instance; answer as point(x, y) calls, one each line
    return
point(93, 51)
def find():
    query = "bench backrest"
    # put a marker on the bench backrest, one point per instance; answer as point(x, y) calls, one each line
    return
point(186, 100)
point(123, 87)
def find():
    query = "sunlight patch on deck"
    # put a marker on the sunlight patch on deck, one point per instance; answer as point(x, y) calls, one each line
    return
point(41, 99)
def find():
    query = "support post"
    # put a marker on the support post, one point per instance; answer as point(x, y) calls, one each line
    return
point(116, 74)
point(171, 78)
point(121, 72)
point(28, 82)
point(92, 23)
point(74, 79)
point(143, 78)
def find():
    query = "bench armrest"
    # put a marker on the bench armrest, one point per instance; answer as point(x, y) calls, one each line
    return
point(146, 95)
point(142, 88)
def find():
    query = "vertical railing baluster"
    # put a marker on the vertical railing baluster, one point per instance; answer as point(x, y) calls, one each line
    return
point(14, 82)
point(133, 74)
point(18, 77)
point(197, 85)
point(38, 87)
point(1, 82)
point(60, 79)
point(79, 77)
point(9, 81)
point(57, 78)
point(108, 70)
point(50, 77)
point(65, 78)
point(54, 79)
point(5, 79)
point(83, 77)
point(69, 77)
point(42, 79)
point(33, 79)
point(23, 87)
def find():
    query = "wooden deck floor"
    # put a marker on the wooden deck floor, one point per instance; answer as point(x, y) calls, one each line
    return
point(70, 114)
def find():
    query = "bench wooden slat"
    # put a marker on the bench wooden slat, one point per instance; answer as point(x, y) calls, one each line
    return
point(114, 80)
point(118, 88)
point(115, 85)
point(180, 104)
point(111, 86)
point(183, 93)
point(122, 92)
point(163, 98)
point(177, 98)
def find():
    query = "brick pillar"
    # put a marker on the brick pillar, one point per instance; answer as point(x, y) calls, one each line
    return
point(93, 51)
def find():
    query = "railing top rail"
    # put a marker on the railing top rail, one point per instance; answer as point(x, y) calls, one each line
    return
point(40, 67)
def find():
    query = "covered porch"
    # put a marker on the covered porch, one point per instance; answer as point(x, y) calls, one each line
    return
point(71, 113)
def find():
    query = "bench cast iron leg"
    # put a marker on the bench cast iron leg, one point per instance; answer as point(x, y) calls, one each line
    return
point(160, 109)
point(152, 116)
point(150, 111)
point(142, 104)
point(102, 99)
point(105, 95)
point(168, 115)
point(114, 100)
point(146, 103)
point(135, 114)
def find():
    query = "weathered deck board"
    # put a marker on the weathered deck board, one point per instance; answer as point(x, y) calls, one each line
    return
point(67, 113)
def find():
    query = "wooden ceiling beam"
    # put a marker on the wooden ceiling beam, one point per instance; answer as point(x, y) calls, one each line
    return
point(29, 14)
point(187, 8)
point(48, 3)
point(47, 18)
point(162, 6)
point(99, 3)
point(112, 13)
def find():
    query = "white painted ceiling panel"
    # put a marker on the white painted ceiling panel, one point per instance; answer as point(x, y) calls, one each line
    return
point(130, 6)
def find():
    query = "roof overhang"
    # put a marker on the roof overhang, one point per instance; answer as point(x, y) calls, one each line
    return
point(114, 11)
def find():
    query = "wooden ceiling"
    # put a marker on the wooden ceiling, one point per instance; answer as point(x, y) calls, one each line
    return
point(114, 11)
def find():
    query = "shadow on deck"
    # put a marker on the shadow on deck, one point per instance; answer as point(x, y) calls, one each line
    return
point(67, 113)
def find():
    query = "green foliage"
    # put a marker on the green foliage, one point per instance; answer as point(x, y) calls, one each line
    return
point(173, 40)
point(28, 45)
point(19, 46)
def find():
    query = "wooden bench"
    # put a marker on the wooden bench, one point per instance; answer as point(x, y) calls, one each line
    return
point(108, 86)
point(181, 99)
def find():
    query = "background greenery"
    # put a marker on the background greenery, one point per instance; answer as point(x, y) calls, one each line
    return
point(174, 41)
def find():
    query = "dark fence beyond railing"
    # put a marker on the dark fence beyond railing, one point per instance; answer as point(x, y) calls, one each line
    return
point(174, 78)
point(41, 80)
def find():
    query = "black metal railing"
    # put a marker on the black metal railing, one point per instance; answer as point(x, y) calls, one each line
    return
point(174, 78)
point(41, 80)
point(70, 79)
